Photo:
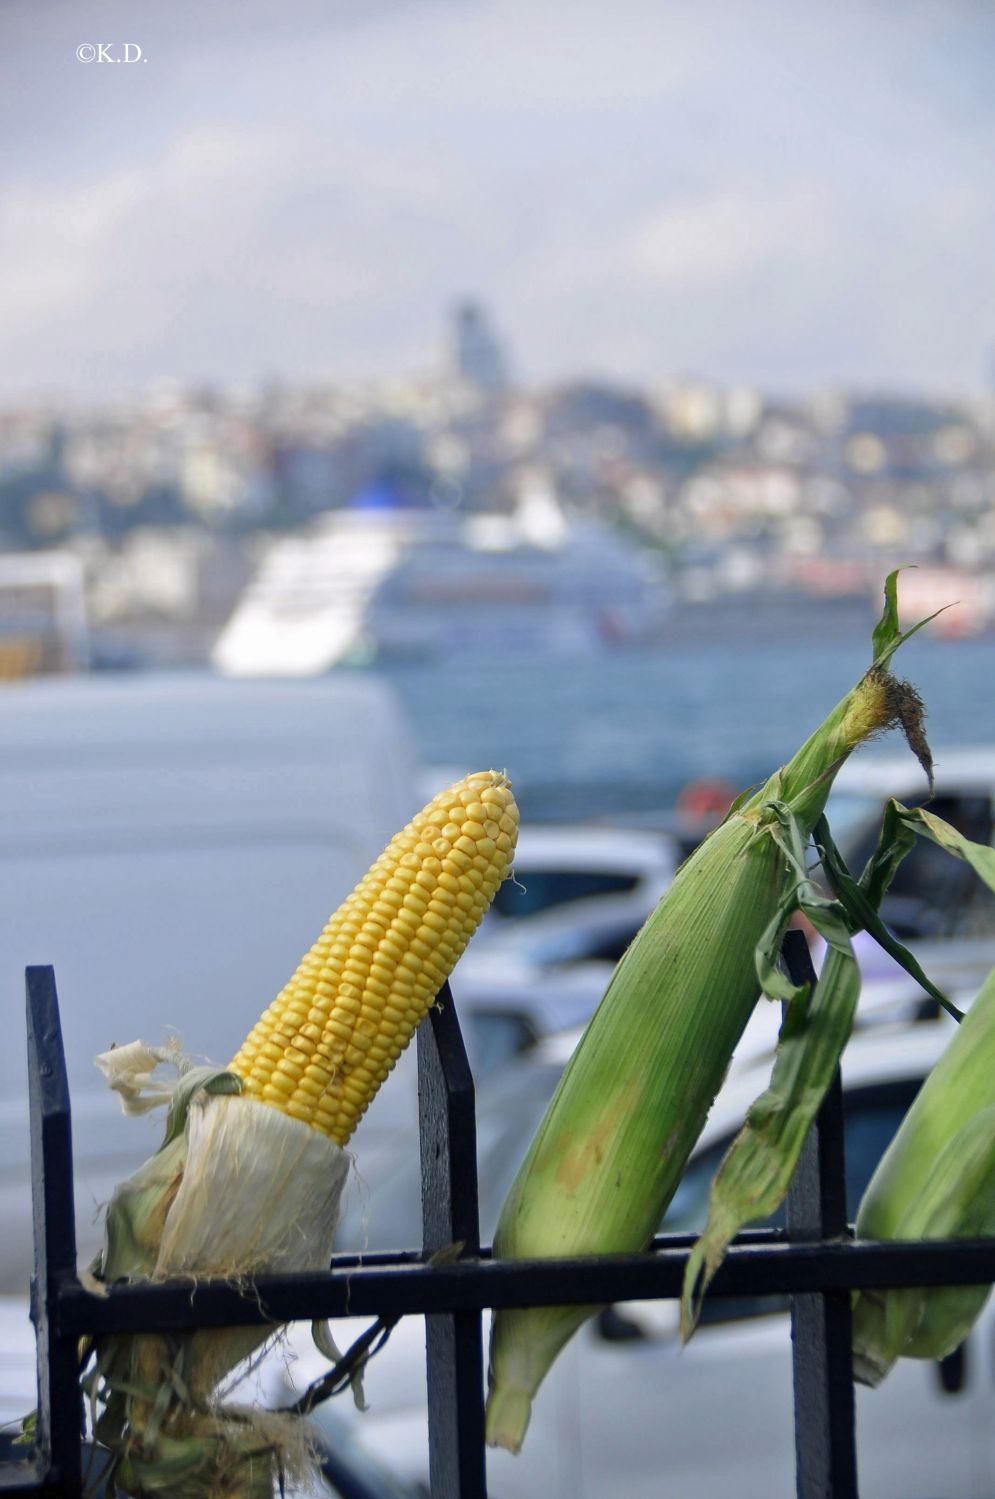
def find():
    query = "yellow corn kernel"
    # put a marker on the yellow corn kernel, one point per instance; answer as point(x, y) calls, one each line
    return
point(324, 1045)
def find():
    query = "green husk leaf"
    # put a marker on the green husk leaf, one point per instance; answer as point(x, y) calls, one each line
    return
point(739, 801)
point(212, 1079)
point(28, 1434)
point(980, 856)
point(956, 1200)
point(937, 1178)
point(957, 1203)
point(756, 1172)
point(888, 634)
point(860, 900)
point(161, 1404)
point(895, 841)
point(774, 982)
point(900, 826)
point(757, 1169)
point(754, 1176)
point(135, 1215)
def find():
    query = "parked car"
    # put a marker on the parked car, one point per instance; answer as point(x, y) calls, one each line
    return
point(172, 846)
point(556, 866)
point(523, 979)
point(633, 1414)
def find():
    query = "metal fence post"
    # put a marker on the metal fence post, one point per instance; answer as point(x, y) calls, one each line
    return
point(448, 1131)
point(59, 1400)
point(821, 1338)
point(818, 1272)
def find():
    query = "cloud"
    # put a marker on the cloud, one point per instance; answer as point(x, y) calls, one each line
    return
point(751, 189)
point(214, 256)
point(720, 237)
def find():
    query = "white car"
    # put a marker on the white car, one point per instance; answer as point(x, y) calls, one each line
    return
point(519, 980)
point(558, 865)
point(625, 1411)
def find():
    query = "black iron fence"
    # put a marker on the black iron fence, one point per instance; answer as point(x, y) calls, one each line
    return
point(814, 1260)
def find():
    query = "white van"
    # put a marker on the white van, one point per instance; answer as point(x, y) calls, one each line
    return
point(172, 846)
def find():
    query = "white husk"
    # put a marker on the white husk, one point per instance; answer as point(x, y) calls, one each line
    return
point(237, 1189)
point(260, 1192)
point(128, 1070)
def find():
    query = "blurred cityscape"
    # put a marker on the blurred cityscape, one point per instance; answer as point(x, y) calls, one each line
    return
point(168, 504)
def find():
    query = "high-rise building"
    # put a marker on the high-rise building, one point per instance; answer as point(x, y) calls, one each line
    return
point(478, 355)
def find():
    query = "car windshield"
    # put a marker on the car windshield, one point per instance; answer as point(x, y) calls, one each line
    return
point(537, 889)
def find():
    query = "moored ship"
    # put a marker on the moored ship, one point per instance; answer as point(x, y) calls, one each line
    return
point(370, 583)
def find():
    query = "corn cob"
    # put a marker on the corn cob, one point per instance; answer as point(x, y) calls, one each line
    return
point(935, 1180)
point(327, 1042)
point(263, 1140)
point(634, 1097)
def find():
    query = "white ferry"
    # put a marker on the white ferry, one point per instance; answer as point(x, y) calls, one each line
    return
point(368, 583)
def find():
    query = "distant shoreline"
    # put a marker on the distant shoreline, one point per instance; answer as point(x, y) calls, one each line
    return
point(759, 617)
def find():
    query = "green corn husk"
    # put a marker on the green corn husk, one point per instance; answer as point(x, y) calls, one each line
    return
point(937, 1178)
point(755, 1174)
point(756, 1171)
point(616, 1137)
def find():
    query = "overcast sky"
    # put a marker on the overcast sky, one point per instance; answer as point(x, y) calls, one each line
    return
point(791, 193)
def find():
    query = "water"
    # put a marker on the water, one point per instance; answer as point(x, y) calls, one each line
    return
point(622, 733)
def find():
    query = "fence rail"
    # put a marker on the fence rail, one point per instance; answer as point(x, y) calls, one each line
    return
point(814, 1260)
